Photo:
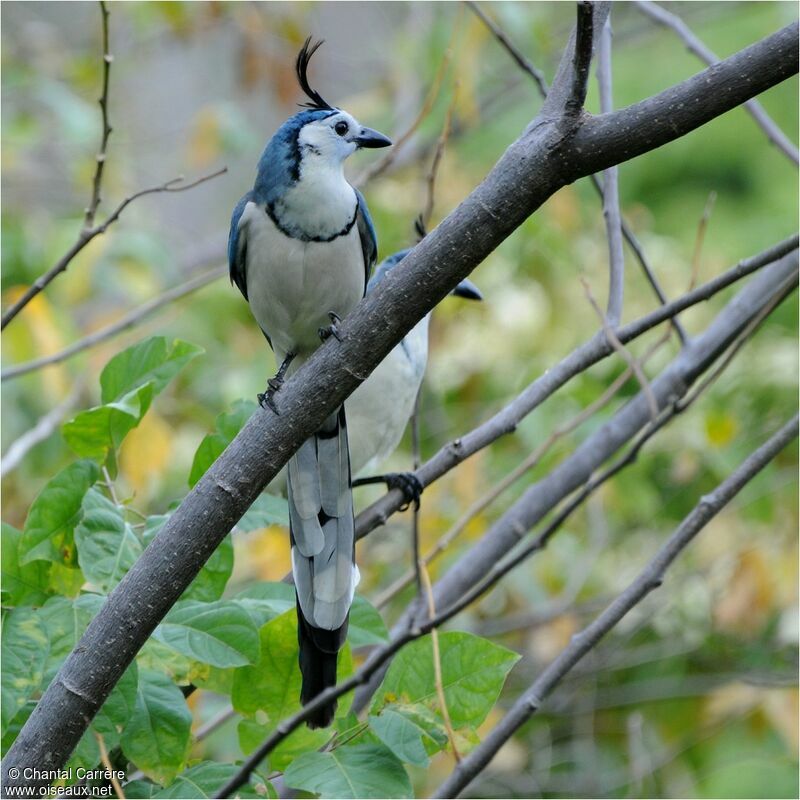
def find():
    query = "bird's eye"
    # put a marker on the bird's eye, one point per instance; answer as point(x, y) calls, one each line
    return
point(341, 128)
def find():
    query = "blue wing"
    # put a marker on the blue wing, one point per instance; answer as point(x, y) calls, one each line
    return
point(366, 232)
point(237, 247)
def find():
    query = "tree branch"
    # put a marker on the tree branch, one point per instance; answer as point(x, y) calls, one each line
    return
point(611, 213)
point(87, 234)
point(130, 319)
point(43, 429)
point(530, 170)
point(94, 202)
point(627, 232)
point(644, 126)
point(582, 58)
point(698, 48)
point(650, 578)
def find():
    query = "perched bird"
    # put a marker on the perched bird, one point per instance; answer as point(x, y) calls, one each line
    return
point(382, 405)
point(301, 249)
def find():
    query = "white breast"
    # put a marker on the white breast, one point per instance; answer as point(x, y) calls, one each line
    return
point(293, 285)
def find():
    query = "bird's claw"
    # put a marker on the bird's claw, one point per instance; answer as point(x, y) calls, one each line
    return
point(330, 330)
point(409, 484)
point(267, 399)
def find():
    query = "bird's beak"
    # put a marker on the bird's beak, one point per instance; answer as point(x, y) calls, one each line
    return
point(468, 290)
point(371, 138)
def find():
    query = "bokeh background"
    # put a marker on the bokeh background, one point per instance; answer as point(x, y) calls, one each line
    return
point(694, 695)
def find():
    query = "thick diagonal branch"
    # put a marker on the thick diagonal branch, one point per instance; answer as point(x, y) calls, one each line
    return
point(529, 172)
point(704, 53)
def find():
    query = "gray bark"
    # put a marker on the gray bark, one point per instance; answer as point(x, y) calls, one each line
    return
point(546, 157)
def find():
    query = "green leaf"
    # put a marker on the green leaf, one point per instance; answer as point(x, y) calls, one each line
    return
point(129, 382)
point(213, 577)
point(156, 737)
point(24, 646)
point(22, 584)
point(273, 684)
point(112, 718)
point(271, 688)
point(204, 779)
point(159, 657)
point(55, 512)
point(146, 362)
point(404, 736)
point(198, 782)
point(473, 673)
point(227, 425)
point(360, 771)
point(266, 510)
point(221, 634)
point(299, 741)
point(107, 545)
point(65, 621)
point(100, 430)
point(265, 601)
point(366, 624)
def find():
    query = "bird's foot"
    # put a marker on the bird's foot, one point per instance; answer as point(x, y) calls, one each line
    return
point(407, 482)
point(267, 399)
point(330, 330)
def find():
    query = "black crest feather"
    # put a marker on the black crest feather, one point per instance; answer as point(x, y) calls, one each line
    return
point(303, 58)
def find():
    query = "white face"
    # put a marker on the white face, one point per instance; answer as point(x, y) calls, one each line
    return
point(331, 139)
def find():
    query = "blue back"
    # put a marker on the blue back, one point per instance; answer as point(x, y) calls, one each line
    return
point(388, 263)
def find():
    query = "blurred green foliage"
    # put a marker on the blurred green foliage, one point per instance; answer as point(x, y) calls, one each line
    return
point(695, 693)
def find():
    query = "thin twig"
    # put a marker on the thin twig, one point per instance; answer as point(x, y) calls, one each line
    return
point(430, 178)
point(110, 485)
point(214, 723)
point(437, 665)
point(696, 46)
point(416, 569)
point(379, 167)
point(44, 428)
point(627, 356)
point(611, 212)
point(91, 210)
point(87, 234)
point(131, 319)
point(650, 578)
point(700, 238)
point(584, 35)
point(513, 51)
point(106, 762)
point(627, 231)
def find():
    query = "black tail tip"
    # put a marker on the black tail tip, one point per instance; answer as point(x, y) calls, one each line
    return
point(317, 657)
point(322, 717)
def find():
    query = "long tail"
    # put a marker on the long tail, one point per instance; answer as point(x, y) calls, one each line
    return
point(322, 531)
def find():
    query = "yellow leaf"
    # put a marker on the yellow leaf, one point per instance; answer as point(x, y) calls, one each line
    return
point(721, 428)
point(264, 555)
point(205, 140)
point(42, 335)
point(748, 598)
point(145, 453)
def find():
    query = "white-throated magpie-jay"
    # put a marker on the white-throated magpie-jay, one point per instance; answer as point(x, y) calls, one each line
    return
point(301, 248)
point(380, 408)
